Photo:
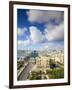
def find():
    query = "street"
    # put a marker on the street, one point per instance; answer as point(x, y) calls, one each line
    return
point(25, 72)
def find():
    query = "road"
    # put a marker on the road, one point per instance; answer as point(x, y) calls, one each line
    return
point(25, 72)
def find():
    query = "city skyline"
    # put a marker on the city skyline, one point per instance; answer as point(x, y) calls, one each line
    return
point(40, 29)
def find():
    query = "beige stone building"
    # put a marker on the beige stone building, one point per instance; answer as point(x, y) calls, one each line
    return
point(43, 61)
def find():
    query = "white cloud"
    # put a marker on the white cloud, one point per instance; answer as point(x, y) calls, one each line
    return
point(21, 31)
point(51, 46)
point(56, 33)
point(22, 43)
point(41, 16)
point(36, 35)
point(49, 26)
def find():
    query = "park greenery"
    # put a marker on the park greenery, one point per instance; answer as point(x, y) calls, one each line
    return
point(52, 74)
point(55, 73)
point(20, 64)
point(37, 75)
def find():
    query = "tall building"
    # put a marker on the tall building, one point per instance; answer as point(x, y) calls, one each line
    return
point(42, 62)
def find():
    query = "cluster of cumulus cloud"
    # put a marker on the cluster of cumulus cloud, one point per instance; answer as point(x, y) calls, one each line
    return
point(51, 32)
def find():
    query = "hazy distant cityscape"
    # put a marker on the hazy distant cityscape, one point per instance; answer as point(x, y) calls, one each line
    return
point(38, 65)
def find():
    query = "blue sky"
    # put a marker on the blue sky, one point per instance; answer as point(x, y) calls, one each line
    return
point(40, 29)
